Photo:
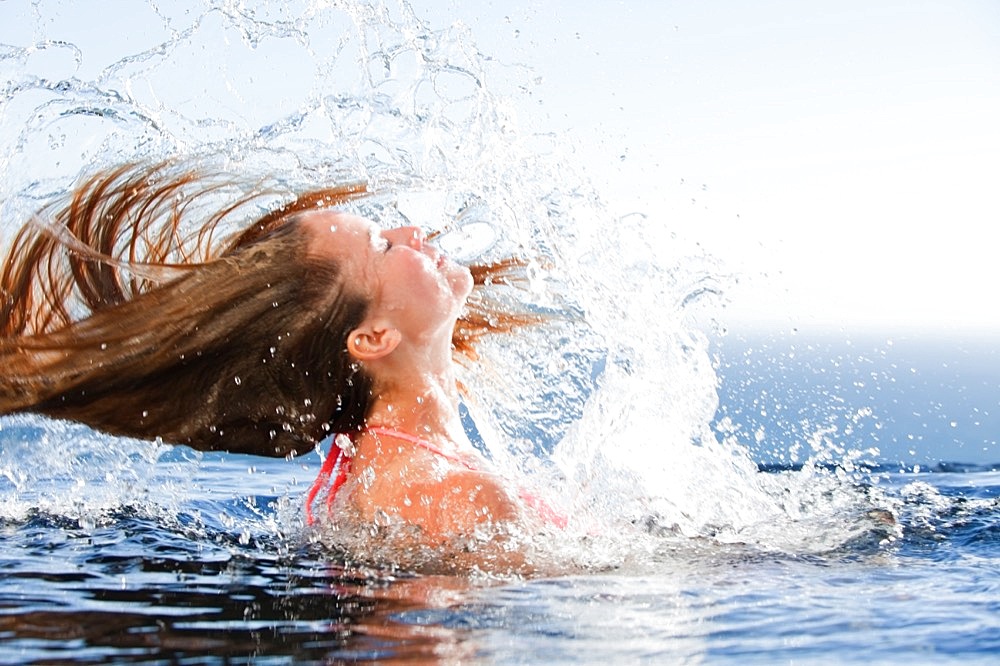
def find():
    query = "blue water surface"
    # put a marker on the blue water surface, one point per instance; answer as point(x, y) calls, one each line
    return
point(218, 579)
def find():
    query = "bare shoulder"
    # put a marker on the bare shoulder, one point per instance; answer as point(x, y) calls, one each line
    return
point(466, 517)
point(452, 501)
point(478, 495)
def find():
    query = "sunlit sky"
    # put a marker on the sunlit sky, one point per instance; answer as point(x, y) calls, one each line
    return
point(842, 156)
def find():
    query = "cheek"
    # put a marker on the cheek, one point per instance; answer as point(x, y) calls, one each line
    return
point(414, 279)
point(419, 282)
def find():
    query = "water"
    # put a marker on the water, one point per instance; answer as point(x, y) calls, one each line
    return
point(735, 497)
point(188, 555)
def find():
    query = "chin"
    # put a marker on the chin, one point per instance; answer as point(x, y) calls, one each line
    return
point(461, 282)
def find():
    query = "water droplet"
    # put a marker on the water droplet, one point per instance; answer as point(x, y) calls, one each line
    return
point(237, 380)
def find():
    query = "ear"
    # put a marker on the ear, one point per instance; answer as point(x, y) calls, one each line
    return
point(372, 341)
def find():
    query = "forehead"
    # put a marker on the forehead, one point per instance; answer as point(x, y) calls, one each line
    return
point(335, 234)
point(347, 239)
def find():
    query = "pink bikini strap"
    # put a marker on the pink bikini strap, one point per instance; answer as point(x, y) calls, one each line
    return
point(543, 508)
point(422, 443)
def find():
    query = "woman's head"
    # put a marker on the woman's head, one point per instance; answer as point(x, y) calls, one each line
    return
point(414, 294)
point(114, 315)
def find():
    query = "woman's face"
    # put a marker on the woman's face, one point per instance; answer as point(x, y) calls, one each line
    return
point(403, 278)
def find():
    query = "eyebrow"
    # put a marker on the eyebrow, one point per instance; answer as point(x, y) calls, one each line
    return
point(377, 240)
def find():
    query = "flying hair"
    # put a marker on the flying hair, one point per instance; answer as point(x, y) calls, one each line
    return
point(144, 304)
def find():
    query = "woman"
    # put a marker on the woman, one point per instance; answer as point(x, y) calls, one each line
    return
point(310, 322)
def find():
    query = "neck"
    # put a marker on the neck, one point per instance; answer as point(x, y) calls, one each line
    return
point(424, 405)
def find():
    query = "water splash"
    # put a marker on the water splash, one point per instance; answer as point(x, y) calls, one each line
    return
point(620, 388)
point(66, 469)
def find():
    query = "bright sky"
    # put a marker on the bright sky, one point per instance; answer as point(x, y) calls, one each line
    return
point(847, 150)
point(843, 156)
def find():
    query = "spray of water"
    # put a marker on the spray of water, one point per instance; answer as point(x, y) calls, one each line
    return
point(612, 401)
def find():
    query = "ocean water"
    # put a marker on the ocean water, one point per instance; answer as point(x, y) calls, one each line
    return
point(121, 551)
point(736, 497)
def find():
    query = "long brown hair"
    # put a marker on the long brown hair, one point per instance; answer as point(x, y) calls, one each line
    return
point(125, 309)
